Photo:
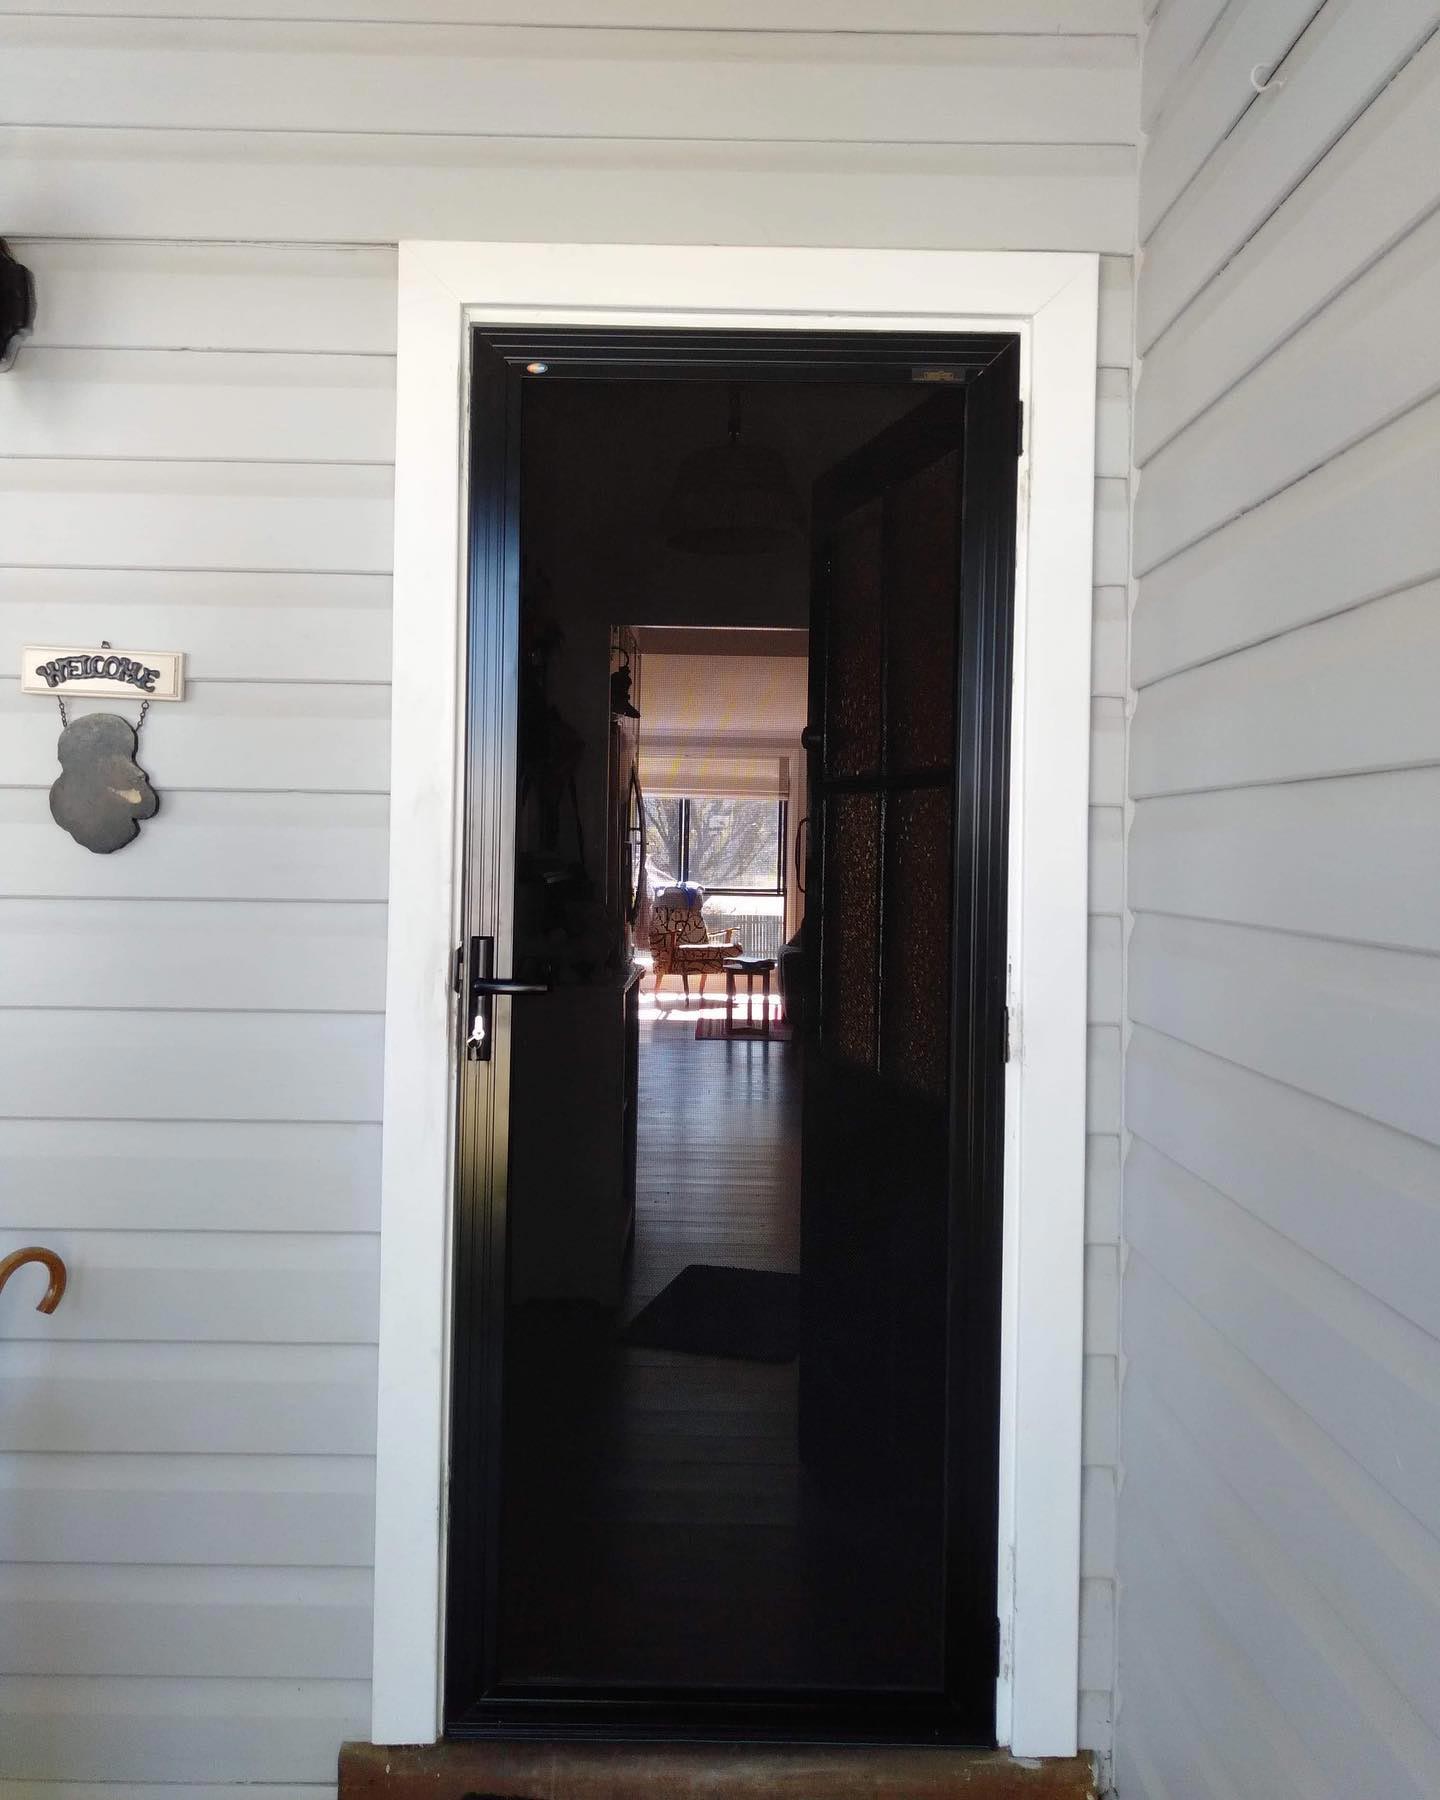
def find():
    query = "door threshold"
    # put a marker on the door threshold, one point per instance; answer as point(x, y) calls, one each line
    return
point(530, 1769)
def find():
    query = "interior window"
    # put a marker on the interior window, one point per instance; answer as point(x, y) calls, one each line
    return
point(733, 846)
point(727, 846)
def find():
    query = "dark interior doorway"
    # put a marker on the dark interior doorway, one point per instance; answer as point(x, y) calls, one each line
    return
point(726, 1387)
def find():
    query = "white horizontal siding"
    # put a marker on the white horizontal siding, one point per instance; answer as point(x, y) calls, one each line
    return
point(1303, 1487)
point(1357, 527)
point(1102, 1424)
point(1351, 49)
point(291, 299)
point(378, 189)
point(1102, 1190)
point(278, 1399)
point(1306, 855)
point(240, 625)
point(1215, 93)
point(1112, 423)
point(1106, 856)
point(1353, 1193)
point(1351, 694)
point(504, 81)
point(231, 1512)
point(1104, 1011)
point(167, 1621)
point(1165, 1746)
point(1174, 36)
point(1376, 184)
point(1043, 16)
point(176, 1729)
point(197, 444)
point(1278, 1532)
point(1112, 531)
point(1103, 1098)
point(187, 1478)
point(185, 1790)
point(209, 1287)
point(1347, 1023)
point(1108, 644)
point(1107, 752)
point(1292, 414)
point(172, 954)
point(1301, 1649)
point(188, 1175)
point(203, 406)
point(286, 516)
point(214, 846)
point(1202, 1714)
point(1106, 962)
point(136, 1065)
point(231, 737)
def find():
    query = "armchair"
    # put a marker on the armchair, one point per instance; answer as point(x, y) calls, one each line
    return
point(680, 942)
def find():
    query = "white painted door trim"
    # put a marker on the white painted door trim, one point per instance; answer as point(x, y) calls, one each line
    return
point(1051, 300)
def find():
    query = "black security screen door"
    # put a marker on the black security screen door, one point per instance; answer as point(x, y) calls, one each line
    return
point(850, 1589)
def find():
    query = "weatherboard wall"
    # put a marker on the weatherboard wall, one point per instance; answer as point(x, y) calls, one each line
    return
point(1279, 1534)
point(196, 454)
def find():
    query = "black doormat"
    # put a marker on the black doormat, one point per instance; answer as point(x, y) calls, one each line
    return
point(708, 1310)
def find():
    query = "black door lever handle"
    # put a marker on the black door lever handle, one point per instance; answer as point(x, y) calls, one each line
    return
point(482, 990)
point(492, 984)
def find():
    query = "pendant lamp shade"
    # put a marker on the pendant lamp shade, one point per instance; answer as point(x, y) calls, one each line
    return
point(732, 499)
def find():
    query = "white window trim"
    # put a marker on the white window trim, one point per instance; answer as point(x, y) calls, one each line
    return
point(1051, 300)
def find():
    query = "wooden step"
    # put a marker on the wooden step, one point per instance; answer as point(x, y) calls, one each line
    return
point(498, 1769)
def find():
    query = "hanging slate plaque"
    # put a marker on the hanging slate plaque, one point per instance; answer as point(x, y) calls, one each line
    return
point(102, 793)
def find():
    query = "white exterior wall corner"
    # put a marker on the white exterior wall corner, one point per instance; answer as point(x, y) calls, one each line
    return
point(1278, 1526)
point(196, 451)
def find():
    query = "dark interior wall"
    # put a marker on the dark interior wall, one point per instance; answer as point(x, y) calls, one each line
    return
point(598, 461)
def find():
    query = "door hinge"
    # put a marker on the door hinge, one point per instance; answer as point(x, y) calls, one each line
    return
point(1012, 1034)
point(1019, 427)
point(995, 1651)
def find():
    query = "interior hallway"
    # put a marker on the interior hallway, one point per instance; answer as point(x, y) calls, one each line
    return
point(661, 1515)
point(660, 1532)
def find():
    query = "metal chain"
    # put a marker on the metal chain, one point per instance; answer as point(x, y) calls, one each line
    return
point(65, 717)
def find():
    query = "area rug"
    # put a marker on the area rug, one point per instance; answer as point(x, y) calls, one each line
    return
point(780, 1032)
point(709, 1310)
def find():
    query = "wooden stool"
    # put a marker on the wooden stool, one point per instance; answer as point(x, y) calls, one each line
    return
point(751, 967)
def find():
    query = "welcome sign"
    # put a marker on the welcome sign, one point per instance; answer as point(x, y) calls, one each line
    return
point(102, 672)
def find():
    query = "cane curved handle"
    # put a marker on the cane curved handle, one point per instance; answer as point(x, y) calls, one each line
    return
point(32, 1253)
